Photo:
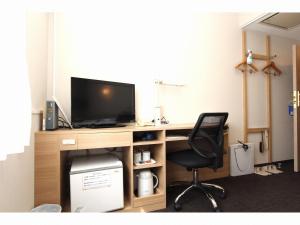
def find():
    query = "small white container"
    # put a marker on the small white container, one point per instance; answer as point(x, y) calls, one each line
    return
point(241, 161)
point(145, 183)
point(137, 157)
point(53, 208)
point(146, 156)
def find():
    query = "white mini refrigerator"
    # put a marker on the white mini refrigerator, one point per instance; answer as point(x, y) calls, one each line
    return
point(96, 184)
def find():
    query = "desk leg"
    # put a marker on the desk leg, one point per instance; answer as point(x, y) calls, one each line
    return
point(128, 176)
point(47, 170)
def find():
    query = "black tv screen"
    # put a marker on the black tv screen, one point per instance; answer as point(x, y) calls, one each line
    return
point(101, 103)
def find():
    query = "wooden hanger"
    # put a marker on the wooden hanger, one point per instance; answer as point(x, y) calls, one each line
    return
point(243, 66)
point(271, 66)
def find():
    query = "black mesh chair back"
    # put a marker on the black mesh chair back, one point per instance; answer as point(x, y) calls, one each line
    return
point(207, 137)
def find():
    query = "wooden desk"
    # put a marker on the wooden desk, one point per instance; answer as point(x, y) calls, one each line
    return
point(52, 150)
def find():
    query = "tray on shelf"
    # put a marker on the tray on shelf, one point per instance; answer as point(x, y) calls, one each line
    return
point(152, 161)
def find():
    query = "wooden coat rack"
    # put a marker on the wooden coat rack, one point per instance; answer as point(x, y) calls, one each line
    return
point(272, 67)
point(269, 69)
point(243, 66)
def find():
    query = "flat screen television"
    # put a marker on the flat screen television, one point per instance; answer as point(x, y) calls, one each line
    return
point(98, 103)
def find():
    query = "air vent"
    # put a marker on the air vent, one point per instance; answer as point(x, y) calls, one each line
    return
point(283, 20)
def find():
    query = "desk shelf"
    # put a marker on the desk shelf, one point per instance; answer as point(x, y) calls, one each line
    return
point(159, 193)
point(140, 143)
point(157, 197)
point(176, 138)
point(157, 153)
point(142, 137)
point(146, 166)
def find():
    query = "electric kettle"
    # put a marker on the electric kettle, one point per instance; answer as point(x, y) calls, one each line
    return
point(145, 183)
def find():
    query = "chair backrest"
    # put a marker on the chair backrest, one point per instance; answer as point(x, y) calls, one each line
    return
point(207, 136)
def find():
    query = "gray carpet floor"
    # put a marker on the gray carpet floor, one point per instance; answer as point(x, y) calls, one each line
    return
point(248, 193)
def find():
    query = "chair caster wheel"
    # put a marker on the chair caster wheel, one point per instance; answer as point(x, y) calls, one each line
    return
point(177, 206)
point(223, 195)
point(218, 210)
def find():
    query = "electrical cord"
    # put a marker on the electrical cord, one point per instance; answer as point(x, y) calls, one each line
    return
point(164, 120)
point(61, 118)
point(64, 125)
point(61, 125)
point(64, 122)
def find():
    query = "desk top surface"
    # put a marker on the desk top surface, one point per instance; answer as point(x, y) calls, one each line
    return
point(129, 128)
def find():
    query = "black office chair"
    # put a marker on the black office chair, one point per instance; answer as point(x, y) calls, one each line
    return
point(206, 141)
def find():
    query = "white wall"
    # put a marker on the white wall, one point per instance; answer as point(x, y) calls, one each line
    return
point(17, 178)
point(17, 172)
point(282, 95)
point(198, 49)
point(37, 54)
point(136, 46)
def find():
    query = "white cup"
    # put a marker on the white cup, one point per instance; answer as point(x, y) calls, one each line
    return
point(146, 156)
point(137, 157)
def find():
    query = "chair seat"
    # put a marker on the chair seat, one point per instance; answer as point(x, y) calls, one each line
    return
point(189, 159)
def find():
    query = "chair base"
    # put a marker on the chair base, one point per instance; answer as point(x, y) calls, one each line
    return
point(204, 187)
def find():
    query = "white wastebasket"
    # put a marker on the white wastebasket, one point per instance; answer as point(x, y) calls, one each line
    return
point(55, 208)
point(241, 160)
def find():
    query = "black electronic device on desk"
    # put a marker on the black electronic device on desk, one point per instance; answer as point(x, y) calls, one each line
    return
point(51, 115)
point(144, 136)
point(97, 103)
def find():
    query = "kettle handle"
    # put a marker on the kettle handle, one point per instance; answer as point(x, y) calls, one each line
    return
point(156, 183)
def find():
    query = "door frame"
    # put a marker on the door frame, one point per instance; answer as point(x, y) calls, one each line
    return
point(296, 99)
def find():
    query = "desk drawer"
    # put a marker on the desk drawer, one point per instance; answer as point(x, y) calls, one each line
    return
point(68, 142)
point(104, 140)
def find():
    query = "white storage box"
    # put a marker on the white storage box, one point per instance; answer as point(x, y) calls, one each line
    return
point(241, 161)
point(96, 184)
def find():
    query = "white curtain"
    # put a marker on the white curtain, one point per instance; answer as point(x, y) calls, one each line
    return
point(15, 100)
